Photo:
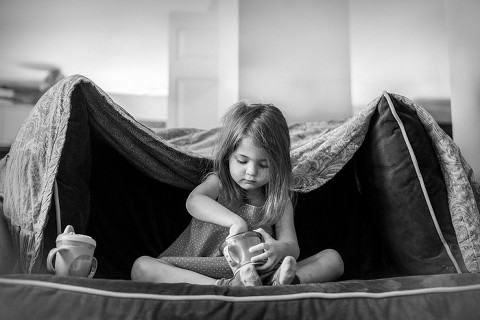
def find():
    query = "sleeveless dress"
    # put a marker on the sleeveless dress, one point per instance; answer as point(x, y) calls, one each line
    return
point(198, 247)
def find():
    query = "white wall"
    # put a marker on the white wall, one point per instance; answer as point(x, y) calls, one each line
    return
point(313, 58)
point(121, 45)
point(400, 47)
point(228, 56)
point(296, 55)
point(464, 48)
point(118, 44)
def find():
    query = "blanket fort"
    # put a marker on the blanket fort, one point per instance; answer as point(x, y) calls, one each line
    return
point(64, 137)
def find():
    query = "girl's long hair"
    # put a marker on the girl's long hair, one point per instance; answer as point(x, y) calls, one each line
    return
point(266, 124)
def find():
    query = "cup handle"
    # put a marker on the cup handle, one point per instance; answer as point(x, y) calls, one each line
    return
point(51, 254)
point(93, 269)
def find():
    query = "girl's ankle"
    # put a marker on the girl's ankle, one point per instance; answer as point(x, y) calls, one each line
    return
point(246, 276)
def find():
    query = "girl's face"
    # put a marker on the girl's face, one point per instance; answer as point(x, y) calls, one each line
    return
point(249, 165)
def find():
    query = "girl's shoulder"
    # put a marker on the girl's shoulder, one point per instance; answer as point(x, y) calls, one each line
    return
point(210, 186)
point(212, 177)
point(213, 180)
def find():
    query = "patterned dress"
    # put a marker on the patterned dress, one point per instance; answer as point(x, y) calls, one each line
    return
point(198, 247)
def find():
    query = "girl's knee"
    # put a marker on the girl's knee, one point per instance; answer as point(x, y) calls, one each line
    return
point(142, 268)
point(137, 268)
point(330, 261)
point(334, 261)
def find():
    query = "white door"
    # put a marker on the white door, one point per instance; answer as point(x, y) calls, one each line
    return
point(193, 74)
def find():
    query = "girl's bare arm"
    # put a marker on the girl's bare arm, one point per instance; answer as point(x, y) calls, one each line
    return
point(202, 205)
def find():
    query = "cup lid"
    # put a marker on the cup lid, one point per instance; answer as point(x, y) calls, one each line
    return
point(243, 235)
point(76, 237)
point(70, 235)
point(233, 237)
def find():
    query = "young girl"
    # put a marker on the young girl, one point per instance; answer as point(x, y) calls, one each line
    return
point(249, 189)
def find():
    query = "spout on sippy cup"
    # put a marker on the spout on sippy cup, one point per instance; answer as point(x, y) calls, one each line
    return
point(69, 230)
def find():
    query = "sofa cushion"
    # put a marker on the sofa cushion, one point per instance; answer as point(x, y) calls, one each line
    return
point(404, 193)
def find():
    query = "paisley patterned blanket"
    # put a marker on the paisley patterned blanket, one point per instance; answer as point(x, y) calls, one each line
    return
point(319, 151)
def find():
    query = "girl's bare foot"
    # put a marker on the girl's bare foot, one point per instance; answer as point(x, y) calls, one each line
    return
point(246, 277)
point(286, 272)
point(249, 276)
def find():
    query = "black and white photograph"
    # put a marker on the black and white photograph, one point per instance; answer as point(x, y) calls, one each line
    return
point(240, 159)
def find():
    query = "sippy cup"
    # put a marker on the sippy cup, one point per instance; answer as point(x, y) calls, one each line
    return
point(73, 255)
point(235, 249)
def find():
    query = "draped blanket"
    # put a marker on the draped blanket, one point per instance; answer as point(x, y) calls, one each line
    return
point(174, 156)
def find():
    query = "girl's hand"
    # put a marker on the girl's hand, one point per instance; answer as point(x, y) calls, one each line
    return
point(272, 251)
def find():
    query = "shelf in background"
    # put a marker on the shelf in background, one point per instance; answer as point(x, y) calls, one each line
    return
point(12, 116)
